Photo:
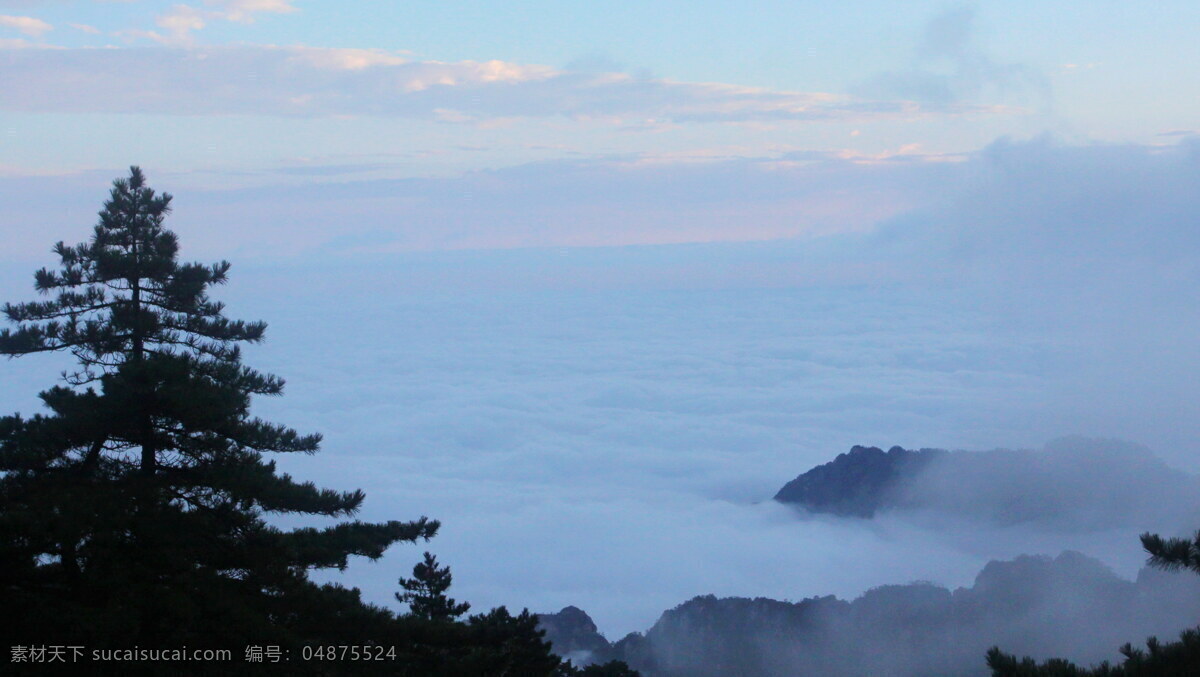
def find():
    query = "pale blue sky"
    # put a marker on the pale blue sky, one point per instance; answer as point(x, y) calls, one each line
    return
point(926, 77)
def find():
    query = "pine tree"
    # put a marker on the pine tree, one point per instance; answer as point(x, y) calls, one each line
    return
point(492, 643)
point(1172, 659)
point(425, 592)
point(136, 509)
point(1173, 554)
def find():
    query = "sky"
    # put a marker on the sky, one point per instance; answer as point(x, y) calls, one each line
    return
point(241, 92)
point(590, 282)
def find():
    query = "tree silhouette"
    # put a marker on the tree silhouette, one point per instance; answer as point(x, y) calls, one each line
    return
point(1173, 554)
point(136, 509)
point(135, 512)
point(425, 592)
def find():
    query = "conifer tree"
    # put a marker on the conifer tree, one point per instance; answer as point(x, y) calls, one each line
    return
point(136, 508)
point(1173, 553)
point(425, 592)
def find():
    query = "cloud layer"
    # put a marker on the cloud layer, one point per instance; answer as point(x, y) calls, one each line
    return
point(617, 201)
point(309, 81)
point(595, 426)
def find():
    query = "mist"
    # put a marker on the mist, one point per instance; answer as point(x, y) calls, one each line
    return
point(604, 426)
point(1073, 485)
point(1035, 605)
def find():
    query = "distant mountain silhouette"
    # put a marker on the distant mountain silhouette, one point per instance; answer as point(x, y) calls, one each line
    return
point(1074, 483)
point(858, 483)
point(574, 636)
point(1070, 606)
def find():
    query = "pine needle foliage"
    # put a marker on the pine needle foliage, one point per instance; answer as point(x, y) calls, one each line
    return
point(137, 507)
point(425, 592)
point(1173, 554)
point(1173, 659)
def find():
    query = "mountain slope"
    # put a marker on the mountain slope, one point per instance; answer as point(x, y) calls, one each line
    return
point(1074, 484)
point(1070, 605)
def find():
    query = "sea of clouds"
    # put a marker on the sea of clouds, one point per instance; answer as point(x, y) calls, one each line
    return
point(604, 427)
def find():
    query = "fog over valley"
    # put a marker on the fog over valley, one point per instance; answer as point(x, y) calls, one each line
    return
point(605, 427)
point(789, 339)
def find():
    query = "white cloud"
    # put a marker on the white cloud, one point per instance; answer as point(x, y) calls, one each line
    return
point(26, 24)
point(85, 28)
point(304, 81)
point(243, 11)
point(347, 59)
point(179, 23)
point(182, 20)
point(605, 447)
